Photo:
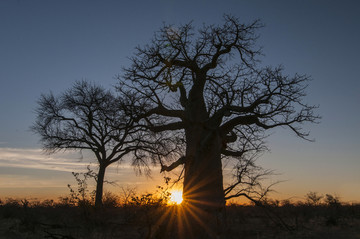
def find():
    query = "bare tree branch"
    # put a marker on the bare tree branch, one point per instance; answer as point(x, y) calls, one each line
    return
point(173, 165)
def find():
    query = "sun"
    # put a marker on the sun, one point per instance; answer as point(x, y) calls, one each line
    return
point(175, 197)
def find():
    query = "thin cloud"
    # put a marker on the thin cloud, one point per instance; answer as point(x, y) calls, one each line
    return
point(36, 159)
point(64, 161)
point(31, 168)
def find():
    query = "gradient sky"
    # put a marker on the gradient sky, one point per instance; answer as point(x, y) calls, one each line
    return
point(46, 45)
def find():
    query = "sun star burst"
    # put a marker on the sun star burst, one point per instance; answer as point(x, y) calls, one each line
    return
point(176, 197)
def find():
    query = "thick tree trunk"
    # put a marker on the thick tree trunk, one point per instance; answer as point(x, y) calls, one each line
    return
point(99, 186)
point(203, 184)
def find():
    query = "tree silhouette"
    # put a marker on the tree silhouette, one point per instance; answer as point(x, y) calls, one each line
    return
point(313, 198)
point(87, 117)
point(208, 85)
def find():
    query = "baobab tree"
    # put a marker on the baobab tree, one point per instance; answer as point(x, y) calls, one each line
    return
point(88, 117)
point(209, 85)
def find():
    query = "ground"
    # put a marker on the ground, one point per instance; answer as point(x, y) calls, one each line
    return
point(21, 219)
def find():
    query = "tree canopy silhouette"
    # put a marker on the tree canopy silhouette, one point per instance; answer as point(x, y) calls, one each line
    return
point(88, 117)
point(209, 85)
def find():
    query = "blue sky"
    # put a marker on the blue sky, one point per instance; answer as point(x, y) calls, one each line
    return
point(47, 45)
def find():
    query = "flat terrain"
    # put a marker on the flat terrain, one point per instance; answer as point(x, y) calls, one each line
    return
point(21, 219)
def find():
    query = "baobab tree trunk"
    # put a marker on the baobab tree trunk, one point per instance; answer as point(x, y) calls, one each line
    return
point(203, 184)
point(100, 185)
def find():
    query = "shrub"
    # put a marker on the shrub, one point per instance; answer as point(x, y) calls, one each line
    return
point(110, 200)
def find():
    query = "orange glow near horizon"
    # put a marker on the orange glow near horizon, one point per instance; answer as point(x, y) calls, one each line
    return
point(176, 197)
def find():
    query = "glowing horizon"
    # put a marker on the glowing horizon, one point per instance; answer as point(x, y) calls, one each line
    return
point(30, 173)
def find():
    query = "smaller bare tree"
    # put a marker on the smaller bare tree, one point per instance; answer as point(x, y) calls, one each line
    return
point(88, 117)
point(331, 200)
point(313, 198)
